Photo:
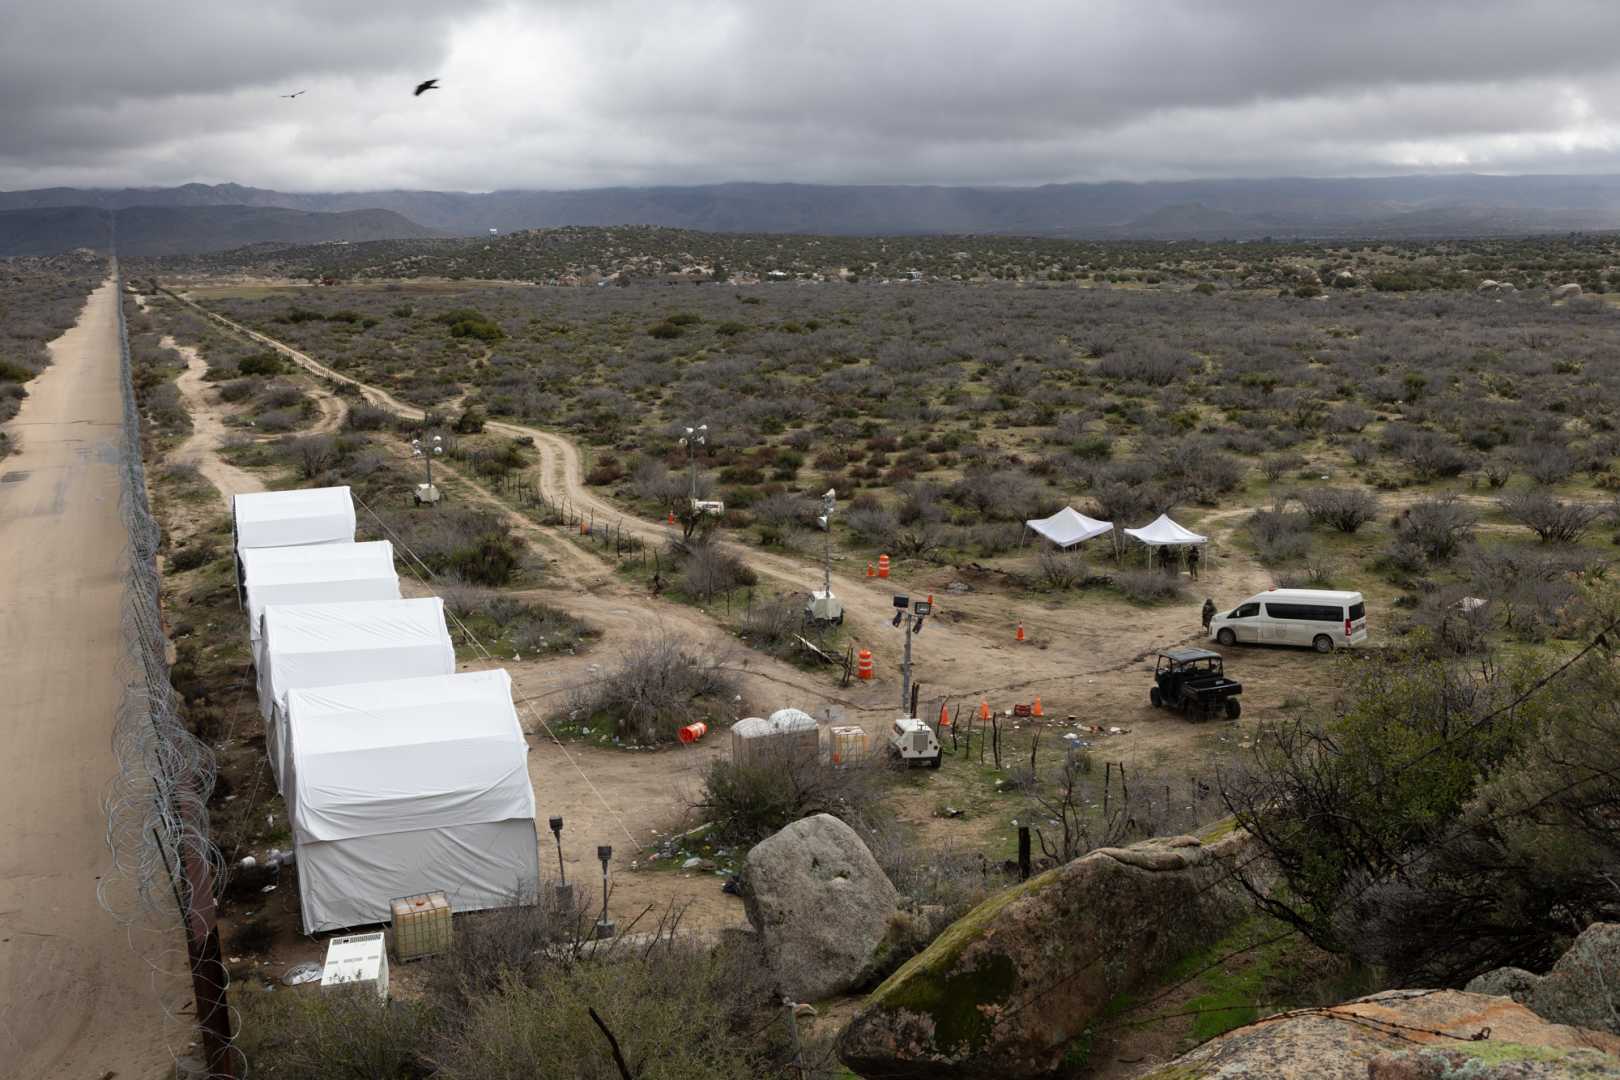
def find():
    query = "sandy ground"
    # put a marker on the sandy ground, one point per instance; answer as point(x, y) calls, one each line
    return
point(75, 1000)
point(208, 430)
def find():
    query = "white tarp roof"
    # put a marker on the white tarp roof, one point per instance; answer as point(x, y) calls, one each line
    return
point(1163, 532)
point(307, 645)
point(1069, 527)
point(409, 786)
point(294, 517)
point(322, 574)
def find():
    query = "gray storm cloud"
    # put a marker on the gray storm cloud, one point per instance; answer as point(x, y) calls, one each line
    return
point(572, 94)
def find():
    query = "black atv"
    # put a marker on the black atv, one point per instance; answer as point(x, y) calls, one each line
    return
point(1193, 680)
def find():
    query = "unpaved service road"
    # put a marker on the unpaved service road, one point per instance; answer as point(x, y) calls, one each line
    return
point(75, 1001)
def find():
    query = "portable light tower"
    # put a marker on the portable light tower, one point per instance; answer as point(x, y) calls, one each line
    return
point(427, 493)
point(823, 605)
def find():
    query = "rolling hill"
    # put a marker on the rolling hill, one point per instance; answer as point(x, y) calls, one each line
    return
point(191, 229)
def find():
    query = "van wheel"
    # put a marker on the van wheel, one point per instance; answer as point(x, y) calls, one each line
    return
point(1226, 637)
point(1156, 698)
point(1234, 708)
point(1322, 643)
point(934, 764)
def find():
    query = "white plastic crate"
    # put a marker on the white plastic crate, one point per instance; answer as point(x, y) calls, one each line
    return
point(357, 958)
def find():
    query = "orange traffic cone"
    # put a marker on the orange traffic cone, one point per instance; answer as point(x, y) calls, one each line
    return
point(1020, 634)
point(672, 517)
point(1035, 709)
point(944, 717)
point(870, 572)
point(984, 709)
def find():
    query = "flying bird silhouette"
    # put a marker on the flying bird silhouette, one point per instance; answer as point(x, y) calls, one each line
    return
point(422, 87)
point(294, 94)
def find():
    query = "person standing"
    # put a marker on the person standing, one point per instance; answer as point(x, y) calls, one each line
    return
point(1209, 613)
point(1192, 561)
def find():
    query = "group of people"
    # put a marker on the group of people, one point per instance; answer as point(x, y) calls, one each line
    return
point(1172, 558)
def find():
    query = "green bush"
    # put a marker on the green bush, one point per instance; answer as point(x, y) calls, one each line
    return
point(262, 364)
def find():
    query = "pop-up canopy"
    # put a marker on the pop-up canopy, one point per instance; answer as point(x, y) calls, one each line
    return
point(405, 787)
point(1163, 532)
point(321, 574)
point(294, 517)
point(310, 645)
point(1069, 527)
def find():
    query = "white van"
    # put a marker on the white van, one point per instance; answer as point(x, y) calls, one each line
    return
point(1324, 619)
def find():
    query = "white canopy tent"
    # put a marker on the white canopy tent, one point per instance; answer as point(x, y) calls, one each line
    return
point(293, 518)
point(1162, 532)
point(405, 787)
point(1069, 527)
point(322, 574)
point(311, 645)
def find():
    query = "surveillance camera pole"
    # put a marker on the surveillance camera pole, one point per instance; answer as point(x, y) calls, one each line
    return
point(695, 437)
point(912, 614)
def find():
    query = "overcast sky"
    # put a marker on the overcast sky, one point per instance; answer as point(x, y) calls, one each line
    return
point(585, 93)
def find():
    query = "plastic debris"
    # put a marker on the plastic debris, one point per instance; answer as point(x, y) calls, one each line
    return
point(299, 974)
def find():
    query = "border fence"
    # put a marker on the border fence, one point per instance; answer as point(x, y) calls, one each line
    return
point(167, 873)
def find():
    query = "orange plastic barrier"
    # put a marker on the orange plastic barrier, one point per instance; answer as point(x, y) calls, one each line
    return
point(883, 566)
point(693, 732)
point(863, 664)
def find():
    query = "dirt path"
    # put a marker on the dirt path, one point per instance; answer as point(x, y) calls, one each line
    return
point(75, 1000)
point(208, 430)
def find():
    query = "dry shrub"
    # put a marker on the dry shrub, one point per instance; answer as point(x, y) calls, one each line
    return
point(750, 801)
point(343, 1032)
point(659, 685)
point(1148, 586)
point(707, 568)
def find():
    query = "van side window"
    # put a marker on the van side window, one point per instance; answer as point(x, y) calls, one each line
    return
point(1305, 612)
point(1247, 611)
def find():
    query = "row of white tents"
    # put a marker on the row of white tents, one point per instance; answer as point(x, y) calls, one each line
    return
point(1070, 528)
point(400, 775)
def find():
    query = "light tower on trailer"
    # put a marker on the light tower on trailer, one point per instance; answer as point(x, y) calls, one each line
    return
point(824, 606)
point(427, 493)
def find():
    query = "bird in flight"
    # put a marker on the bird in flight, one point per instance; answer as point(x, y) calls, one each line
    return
point(423, 87)
point(294, 94)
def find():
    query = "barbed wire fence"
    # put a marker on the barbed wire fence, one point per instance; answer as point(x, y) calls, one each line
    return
point(166, 871)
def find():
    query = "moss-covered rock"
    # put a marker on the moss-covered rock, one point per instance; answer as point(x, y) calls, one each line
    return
point(1402, 1035)
point(1004, 990)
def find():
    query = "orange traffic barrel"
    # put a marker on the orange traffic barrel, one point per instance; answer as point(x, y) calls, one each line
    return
point(1035, 709)
point(863, 664)
point(693, 732)
point(1020, 635)
point(584, 528)
point(883, 566)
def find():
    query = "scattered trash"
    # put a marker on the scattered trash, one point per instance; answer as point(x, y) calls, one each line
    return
point(268, 888)
point(732, 886)
point(803, 1009)
point(691, 864)
point(299, 974)
point(248, 862)
point(950, 812)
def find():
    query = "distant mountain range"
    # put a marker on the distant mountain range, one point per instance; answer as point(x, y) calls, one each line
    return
point(202, 217)
point(187, 230)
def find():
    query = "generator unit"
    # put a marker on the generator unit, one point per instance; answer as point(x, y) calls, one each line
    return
point(914, 742)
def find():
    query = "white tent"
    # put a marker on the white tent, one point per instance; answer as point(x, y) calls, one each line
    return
point(322, 574)
point(293, 518)
point(311, 645)
point(405, 787)
point(1069, 527)
point(1163, 532)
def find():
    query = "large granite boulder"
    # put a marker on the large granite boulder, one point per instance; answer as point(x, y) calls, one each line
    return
point(1401, 1035)
point(828, 918)
point(1582, 989)
point(1003, 991)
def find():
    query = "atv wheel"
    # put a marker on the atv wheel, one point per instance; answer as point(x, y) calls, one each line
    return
point(1156, 698)
point(1234, 708)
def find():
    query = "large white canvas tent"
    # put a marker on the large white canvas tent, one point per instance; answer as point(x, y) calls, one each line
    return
point(293, 518)
point(1069, 527)
point(312, 645)
point(322, 574)
point(406, 787)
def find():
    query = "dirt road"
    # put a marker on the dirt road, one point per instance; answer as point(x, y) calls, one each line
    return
point(75, 1001)
point(208, 431)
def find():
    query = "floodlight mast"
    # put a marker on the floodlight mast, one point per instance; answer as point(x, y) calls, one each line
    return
point(829, 503)
point(694, 438)
point(912, 615)
point(426, 455)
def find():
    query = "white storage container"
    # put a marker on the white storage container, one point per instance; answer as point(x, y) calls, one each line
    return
point(357, 958)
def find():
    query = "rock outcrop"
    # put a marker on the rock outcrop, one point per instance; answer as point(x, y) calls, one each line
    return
point(1003, 991)
point(1401, 1035)
point(827, 915)
point(1582, 989)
